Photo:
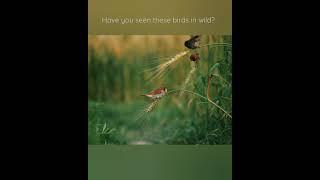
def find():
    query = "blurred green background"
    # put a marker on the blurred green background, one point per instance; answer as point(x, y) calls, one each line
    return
point(116, 79)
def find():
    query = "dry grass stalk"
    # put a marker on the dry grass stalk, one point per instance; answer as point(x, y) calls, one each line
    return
point(152, 106)
point(208, 86)
point(148, 109)
point(191, 72)
point(161, 68)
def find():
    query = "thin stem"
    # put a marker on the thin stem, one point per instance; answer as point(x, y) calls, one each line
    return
point(222, 44)
point(199, 95)
point(217, 75)
point(208, 88)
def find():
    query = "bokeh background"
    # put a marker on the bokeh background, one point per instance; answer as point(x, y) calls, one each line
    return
point(117, 78)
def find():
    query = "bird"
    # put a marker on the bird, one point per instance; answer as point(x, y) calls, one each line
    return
point(195, 57)
point(193, 42)
point(156, 94)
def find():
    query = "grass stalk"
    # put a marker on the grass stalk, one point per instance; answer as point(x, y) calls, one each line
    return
point(199, 95)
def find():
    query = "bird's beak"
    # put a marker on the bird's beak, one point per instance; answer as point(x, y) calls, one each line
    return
point(166, 90)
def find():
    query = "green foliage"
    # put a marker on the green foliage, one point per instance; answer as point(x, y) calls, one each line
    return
point(116, 83)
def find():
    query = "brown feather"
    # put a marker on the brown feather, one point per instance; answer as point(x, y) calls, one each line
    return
point(157, 91)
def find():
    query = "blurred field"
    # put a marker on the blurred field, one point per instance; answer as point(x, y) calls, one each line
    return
point(116, 80)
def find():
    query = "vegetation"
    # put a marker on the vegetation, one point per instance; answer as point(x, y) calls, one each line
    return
point(197, 108)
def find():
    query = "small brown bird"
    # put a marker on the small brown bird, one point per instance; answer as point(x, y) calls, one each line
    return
point(193, 42)
point(156, 94)
point(195, 57)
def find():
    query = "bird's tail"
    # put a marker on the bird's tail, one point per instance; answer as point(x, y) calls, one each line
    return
point(147, 95)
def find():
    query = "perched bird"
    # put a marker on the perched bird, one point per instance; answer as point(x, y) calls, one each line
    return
point(195, 57)
point(156, 94)
point(193, 42)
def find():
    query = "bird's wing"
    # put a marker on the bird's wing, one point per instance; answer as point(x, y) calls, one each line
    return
point(157, 91)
